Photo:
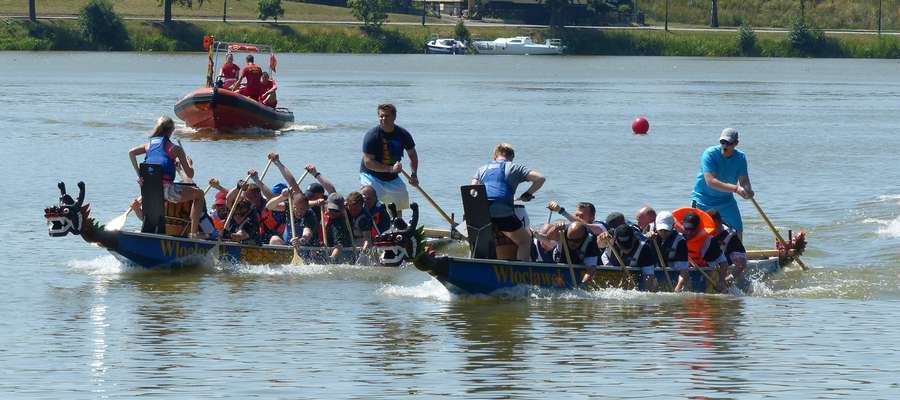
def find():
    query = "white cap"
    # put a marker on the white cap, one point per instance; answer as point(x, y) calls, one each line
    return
point(664, 220)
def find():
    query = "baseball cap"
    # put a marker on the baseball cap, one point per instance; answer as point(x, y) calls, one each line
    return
point(335, 201)
point(624, 234)
point(664, 221)
point(729, 135)
point(313, 189)
point(278, 188)
point(691, 221)
point(220, 199)
point(614, 219)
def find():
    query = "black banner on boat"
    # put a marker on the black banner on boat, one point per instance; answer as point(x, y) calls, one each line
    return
point(478, 221)
point(152, 199)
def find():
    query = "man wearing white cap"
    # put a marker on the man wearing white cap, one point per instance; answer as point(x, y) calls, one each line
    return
point(723, 171)
point(672, 246)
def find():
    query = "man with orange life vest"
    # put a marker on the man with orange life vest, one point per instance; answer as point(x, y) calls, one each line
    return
point(381, 220)
point(732, 247)
point(267, 89)
point(253, 74)
point(160, 150)
point(500, 178)
point(703, 248)
point(672, 246)
point(257, 193)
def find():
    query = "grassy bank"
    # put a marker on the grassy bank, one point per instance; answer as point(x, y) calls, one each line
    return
point(186, 36)
point(832, 14)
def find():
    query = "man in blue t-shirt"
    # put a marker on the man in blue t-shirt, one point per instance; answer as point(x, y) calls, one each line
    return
point(723, 171)
point(383, 148)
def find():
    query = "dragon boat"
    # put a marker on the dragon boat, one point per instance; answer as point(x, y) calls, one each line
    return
point(218, 108)
point(483, 273)
point(153, 248)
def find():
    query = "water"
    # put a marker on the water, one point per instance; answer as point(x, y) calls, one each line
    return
point(820, 136)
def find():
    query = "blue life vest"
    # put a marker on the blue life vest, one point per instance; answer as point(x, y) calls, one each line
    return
point(495, 183)
point(157, 153)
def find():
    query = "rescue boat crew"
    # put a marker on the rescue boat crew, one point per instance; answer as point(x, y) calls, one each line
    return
point(501, 177)
point(160, 150)
point(253, 75)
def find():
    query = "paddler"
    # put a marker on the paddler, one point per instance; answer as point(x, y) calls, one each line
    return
point(723, 171)
point(501, 177)
point(703, 248)
point(732, 247)
point(635, 253)
point(382, 149)
point(672, 246)
point(160, 150)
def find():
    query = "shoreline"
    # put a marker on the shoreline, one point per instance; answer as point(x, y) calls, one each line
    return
point(409, 38)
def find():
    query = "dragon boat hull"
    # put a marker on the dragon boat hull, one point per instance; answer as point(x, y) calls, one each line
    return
point(224, 110)
point(484, 276)
point(150, 250)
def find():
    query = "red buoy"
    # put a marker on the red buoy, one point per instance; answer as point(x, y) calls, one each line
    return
point(640, 126)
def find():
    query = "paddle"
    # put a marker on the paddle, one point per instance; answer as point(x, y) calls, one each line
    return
point(775, 231)
point(436, 207)
point(214, 252)
point(705, 275)
point(349, 230)
point(625, 274)
point(118, 222)
point(296, 260)
point(565, 245)
point(663, 264)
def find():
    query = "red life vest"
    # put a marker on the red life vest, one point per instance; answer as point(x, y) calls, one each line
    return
point(268, 225)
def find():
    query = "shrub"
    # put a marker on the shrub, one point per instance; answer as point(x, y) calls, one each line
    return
point(270, 8)
point(462, 34)
point(805, 40)
point(746, 39)
point(371, 12)
point(101, 26)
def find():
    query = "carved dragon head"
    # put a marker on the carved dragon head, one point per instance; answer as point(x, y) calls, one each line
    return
point(402, 241)
point(69, 216)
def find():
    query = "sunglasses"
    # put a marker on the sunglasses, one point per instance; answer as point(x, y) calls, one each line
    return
point(724, 142)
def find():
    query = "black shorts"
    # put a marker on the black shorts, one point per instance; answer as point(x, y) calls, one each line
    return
point(507, 224)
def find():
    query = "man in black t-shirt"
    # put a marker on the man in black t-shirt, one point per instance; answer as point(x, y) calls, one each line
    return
point(383, 148)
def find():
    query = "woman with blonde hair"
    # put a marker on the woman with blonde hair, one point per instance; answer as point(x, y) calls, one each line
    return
point(500, 178)
point(170, 156)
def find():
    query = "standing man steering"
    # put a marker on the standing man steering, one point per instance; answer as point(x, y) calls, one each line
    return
point(723, 171)
point(383, 148)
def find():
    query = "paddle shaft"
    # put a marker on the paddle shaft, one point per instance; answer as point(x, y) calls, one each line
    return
point(238, 198)
point(293, 224)
point(565, 245)
point(775, 231)
point(625, 273)
point(431, 201)
point(699, 268)
point(663, 264)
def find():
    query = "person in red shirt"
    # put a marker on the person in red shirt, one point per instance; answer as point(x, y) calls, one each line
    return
point(267, 88)
point(252, 74)
point(229, 72)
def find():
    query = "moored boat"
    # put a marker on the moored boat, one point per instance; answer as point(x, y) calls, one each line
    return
point(445, 46)
point(519, 45)
point(217, 107)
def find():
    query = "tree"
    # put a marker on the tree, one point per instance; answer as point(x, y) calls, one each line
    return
point(371, 12)
point(557, 10)
point(167, 7)
point(32, 15)
point(101, 26)
point(462, 33)
point(714, 14)
point(270, 8)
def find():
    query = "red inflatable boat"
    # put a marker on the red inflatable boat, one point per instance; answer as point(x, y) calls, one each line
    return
point(224, 110)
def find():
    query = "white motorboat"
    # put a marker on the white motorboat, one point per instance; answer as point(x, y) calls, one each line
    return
point(445, 46)
point(519, 45)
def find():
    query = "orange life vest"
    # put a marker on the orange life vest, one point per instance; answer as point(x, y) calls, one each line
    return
point(696, 247)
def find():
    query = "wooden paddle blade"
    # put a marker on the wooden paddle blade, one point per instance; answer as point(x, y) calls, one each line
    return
point(297, 260)
point(117, 223)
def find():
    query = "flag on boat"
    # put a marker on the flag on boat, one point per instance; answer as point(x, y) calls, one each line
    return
point(272, 62)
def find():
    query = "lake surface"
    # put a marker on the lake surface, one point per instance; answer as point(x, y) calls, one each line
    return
point(822, 141)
